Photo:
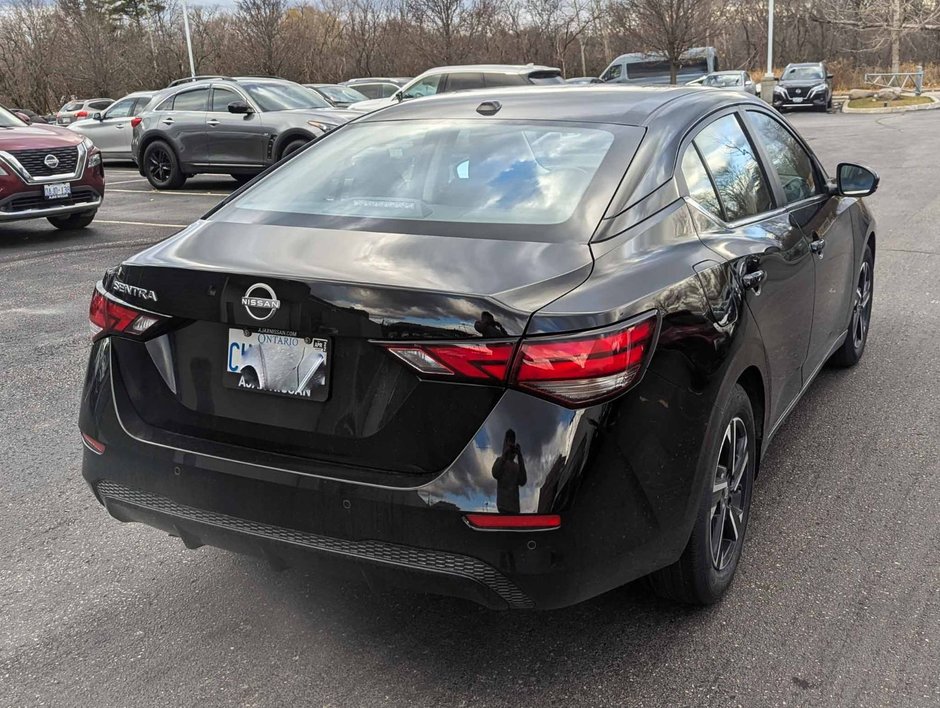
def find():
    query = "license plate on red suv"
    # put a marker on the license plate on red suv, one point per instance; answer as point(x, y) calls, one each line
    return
point(59, 190)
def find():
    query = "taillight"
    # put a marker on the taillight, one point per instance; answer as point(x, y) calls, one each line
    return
point(585, 368)
point(575, 370)
point(81, 114)
point(135, 121)
point(487, 361)
point(110, 317)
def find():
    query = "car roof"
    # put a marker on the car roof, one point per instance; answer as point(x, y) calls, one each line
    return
point(492, 68)
point(728, 71)
point(804, 63)
point(588, 103)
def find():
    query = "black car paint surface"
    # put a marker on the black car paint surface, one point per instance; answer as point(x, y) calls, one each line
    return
point(379, 477)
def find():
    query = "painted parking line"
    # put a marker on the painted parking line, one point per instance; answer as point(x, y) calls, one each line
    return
point(170, 194)
point(127, 181)
point(140, 223)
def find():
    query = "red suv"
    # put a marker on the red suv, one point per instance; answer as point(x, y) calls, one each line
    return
point(48, 172)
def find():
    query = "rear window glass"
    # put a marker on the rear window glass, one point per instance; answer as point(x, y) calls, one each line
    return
point(451, 172)
point(191, 100)
point(73, 106)
point(546, 77)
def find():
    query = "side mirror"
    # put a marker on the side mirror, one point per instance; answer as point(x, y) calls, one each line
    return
point(97, 116)
point(240, 107)
point(855, 180)
point(399, 96)
point(829, 77)
point(23, 117)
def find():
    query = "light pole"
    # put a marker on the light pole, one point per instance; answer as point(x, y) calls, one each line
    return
point(767, 83)
point(189, 41)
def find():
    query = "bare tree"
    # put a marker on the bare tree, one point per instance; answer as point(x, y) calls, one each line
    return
point(669, 27)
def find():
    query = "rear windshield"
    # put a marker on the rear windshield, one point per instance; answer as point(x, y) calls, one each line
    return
point(341, 94)
point(447, 177)
point(73, 106)
point(546, 77)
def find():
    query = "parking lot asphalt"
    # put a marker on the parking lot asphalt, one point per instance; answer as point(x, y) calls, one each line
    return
point(837, 600)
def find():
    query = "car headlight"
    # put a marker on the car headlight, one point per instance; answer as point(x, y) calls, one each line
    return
point(779, 89)
point(320, 125)
point(820, 87)
point(94, 160)
point(87, 144)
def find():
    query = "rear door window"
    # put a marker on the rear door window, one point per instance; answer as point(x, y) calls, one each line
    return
point(465, 81)
point(194, 100)
point(701, 187)
point(789, 159)
point(734, 166)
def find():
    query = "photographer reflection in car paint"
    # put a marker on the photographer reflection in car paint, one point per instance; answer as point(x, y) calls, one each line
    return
point(509, 473)
point(488, 327)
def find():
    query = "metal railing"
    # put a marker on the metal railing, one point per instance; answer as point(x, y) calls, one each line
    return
point(904, 80)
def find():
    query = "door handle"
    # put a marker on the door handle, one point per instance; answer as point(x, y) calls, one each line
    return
point(753, 280)
point(212, 122)
point(167, 121)
point(817, 245)
point(120, 126)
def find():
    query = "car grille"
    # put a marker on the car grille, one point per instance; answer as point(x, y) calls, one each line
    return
point(33, 161)
point(36, 200)
point(377, 551)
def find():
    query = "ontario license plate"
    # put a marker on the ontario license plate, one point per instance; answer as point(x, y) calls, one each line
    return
point(282, 364)
point(798, 99)
point(59, 190)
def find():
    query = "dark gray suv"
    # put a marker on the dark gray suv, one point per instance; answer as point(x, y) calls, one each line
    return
point(804, 85)
point(234, 126)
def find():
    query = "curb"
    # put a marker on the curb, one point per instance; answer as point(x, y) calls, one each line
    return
point(896, 109)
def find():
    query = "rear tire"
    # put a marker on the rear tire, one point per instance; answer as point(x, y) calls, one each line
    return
point(707, 565)
point(852, 349)
point(161, 166)
point(73, 222)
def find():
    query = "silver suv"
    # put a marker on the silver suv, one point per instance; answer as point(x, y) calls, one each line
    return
point(235, 126)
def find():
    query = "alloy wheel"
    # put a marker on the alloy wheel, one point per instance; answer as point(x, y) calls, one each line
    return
point(159, 164)
point(861, 309)
point(726, 525)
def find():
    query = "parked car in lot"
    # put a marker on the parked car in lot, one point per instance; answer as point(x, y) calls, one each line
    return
point(652, 68)
point(519, 346)
point(804, 85)
point(236, 126)
point(735, 79)
point(111, 130)
point(336, 95)
point(76, 110)
point(48, 172)
point(376, 87)
point(448, 79)
point(583, 80)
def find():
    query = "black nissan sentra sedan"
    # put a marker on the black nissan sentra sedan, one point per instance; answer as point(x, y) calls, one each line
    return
point(520, 347)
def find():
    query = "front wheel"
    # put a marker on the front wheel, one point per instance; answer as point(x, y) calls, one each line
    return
point(853, 347)
point(707, 565)
point(73, 222)
point(293, 146)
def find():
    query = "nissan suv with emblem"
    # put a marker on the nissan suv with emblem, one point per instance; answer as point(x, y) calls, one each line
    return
point(805, 85)
point(234, 126)
point(48, 172)
point(519, 346)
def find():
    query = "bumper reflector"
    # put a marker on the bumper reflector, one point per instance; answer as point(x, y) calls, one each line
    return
point(93, 445)
point(514, 522)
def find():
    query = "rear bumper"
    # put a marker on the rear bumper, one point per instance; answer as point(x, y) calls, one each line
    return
point(626, 494)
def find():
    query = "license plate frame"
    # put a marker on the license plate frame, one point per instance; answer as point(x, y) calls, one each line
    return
point(57, 190)
point(798, 99)
point(278, 364)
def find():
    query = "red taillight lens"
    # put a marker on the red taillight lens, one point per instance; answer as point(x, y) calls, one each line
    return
point(486, 361)
point(81, 114)
point(135, 121)
point(575, 370)
point(110, 317)
point(585, 368)
point(514, 522)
